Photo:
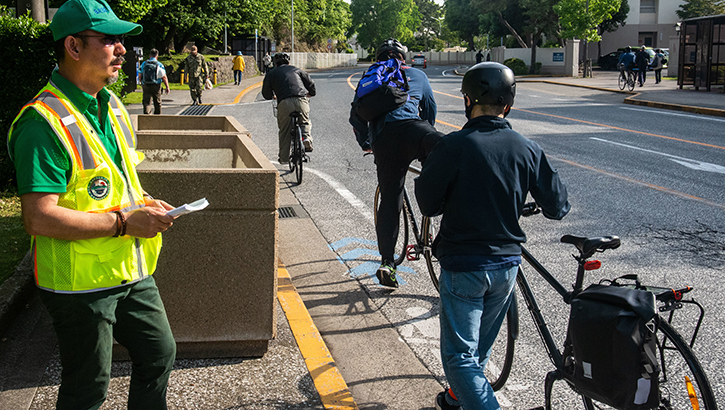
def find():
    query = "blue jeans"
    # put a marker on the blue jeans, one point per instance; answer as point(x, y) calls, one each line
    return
point(473, 306)
point(237, 76)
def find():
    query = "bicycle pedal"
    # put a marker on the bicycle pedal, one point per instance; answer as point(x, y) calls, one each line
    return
point(411, 253)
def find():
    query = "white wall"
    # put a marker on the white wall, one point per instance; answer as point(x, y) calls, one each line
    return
point(323, 60)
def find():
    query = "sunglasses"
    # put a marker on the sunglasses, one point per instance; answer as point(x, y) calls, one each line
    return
point(106, 39)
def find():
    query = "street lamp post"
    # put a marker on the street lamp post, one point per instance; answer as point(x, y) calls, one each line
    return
point(293, 25)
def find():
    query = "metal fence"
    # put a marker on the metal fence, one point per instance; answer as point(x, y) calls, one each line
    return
point(323, 60)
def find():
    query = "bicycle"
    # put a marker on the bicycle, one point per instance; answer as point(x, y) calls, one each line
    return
point(627, 78)
point(423, 234)
point(682, 381)
point(297, 150)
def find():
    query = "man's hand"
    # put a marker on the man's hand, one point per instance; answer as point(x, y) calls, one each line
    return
point(166, 91)
point(150, 220)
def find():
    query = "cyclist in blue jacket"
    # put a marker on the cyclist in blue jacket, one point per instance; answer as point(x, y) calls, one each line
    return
point(626, 61)
point(396, 139)
point(478, 179)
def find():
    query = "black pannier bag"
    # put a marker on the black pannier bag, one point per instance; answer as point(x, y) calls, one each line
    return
point(614, 347)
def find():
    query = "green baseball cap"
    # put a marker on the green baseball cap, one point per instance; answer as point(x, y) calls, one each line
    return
point(75, 16)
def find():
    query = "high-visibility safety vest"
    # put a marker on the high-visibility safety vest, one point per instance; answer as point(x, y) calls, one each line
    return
point(96, 185)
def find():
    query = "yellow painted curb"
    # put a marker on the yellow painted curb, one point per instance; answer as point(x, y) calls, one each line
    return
point(246, 90)
point(329, 383)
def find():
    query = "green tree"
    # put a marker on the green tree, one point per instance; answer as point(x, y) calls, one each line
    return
point(700, 8)
point(499, 9)
point(612, 24)
point(377, 20)
point(430, 24)
point(463, 19)
point(580, 18)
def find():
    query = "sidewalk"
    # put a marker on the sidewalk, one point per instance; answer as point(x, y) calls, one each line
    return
point(665, 95)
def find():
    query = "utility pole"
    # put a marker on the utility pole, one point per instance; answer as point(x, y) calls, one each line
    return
point(225, 33)
point(37, 8)
point(587, 68)
point(293, 26)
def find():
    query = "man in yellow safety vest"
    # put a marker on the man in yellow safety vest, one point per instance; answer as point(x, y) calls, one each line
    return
point(95, 231)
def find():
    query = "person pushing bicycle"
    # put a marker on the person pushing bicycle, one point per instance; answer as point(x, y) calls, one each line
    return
point(396, 139)
point(478, 179)
point(292, 88)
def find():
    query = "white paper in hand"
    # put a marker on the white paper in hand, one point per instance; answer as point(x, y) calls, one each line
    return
point(188, 208)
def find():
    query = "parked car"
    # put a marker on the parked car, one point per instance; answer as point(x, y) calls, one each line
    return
point(419, 60)
point(609, 61)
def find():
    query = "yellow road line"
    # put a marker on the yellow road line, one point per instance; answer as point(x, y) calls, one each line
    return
point(332, 388)
point(603, 125)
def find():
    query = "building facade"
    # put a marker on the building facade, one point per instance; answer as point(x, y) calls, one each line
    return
point(649, 23)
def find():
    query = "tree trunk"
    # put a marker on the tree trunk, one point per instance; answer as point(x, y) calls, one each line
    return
point(532, 40)
point(512, 31)
point(168, 39)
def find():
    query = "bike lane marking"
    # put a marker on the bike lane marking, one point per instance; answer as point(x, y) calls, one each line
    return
point(334, 392)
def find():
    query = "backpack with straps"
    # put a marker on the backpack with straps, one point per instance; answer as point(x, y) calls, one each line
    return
point(611, 329)
point(150, 70)
point(383, 88)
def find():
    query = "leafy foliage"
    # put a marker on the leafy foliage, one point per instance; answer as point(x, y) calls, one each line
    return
point(377, 20)
point(517, 65)
point(28, 60)
point(700, 8)
point(579, 21)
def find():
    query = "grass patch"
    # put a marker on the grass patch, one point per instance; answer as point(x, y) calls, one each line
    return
point(137, 96)
point(14, 241)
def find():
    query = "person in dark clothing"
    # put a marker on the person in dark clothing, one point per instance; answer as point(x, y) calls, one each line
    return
point(479, 56)
point(396, 139)
point(641, 59)
point(478, 179)
point(292, 87)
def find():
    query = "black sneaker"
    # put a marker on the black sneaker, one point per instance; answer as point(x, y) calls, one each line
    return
point(386, 275)
point(442, 404)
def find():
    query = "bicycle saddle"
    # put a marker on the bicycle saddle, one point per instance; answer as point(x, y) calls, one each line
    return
point(587, 246)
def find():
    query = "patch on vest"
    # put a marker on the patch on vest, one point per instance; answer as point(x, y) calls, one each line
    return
point(98, 188)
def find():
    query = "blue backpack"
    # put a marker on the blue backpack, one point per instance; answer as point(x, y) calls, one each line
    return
point(383, 88)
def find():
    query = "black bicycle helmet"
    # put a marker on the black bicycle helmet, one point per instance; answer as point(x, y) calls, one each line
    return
point(281, 58)
point(489, 83)
point(390, 48)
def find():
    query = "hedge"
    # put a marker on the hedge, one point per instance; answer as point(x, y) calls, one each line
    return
point(517, 65)
point(28, 61)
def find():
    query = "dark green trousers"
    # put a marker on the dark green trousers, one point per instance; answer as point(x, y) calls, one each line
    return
point(86, 325)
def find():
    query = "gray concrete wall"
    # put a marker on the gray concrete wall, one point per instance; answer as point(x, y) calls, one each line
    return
point(217, 272)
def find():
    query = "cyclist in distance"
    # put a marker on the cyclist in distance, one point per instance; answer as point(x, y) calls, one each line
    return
point(292, 88)
point(478, 179)
point(396, 139)
point(626, 61)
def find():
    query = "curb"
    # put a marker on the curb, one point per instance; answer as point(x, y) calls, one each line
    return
point(675, 107)
point(15, 293)
point(334, 392)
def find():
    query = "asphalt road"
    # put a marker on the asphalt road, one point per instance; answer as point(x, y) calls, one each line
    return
point(653, 177)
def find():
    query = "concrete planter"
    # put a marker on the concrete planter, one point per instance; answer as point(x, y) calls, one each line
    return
point(217, 273)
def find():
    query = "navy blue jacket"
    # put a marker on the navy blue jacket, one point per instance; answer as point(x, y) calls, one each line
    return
point(479, 178)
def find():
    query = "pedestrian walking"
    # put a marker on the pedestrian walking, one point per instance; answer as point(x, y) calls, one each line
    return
point(151, 75)
point(96, 234)
point(238, 68)
point(198, 70)
point(657, 64)
point(641, 60)
point(478, 179)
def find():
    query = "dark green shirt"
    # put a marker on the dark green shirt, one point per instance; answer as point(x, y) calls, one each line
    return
point(41, 161)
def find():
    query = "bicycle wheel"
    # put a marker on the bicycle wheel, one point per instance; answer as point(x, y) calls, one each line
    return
point(501, 359)
point(429, 230)
point(631, 80)
point(622, 81)
point(299, 154)
point(678, 365)
point(403, 229)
